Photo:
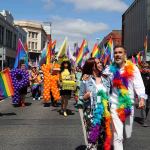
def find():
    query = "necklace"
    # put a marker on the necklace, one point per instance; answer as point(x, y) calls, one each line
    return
point(120, 82)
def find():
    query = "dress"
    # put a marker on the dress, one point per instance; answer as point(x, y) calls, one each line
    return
point(65, 76)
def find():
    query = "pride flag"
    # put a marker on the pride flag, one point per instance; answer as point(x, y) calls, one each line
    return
point(138, 57)
point(63, 49)
point(48, 52)
point(83, 50)
point(6, 87)
point(145, 47)
point(95, 51)
point(53, 47)
point(133, 60)
point(110, 47)
point(21, 54)
point(43, 56)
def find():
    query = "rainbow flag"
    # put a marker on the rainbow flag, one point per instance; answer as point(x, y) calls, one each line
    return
point(53, 47)
point(138, 57)
point(6, 87)
point(95, 51)
point(21, 54)
point(63, 49)
point(145, 47)
point(110, 48)
point(82, 51)
point(48, 52)
point(43, 56)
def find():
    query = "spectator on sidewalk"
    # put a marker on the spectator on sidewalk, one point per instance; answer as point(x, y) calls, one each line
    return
point(145, 72)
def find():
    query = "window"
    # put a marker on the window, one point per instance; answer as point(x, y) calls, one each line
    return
point(9, 38)
point(29, 45)
point(14, 41)
point(29, 34)
point(35, 45)
point(1, 34)
point(32, 46)
point(32, 34)
point(36, 35)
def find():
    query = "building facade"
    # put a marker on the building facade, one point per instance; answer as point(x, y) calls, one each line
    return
point(36, 38)
point(9, 35)
point(136, 26)
point(116, 36)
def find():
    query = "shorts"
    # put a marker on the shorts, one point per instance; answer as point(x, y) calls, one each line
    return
point(65, 92)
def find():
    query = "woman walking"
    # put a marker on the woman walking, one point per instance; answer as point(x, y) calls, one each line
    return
point(65, 92)
point(94, 93)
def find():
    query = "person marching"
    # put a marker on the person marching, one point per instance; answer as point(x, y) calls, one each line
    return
point(126, 80)
point(94, 91)
point(35, 79)
point(23, 91)
point(145, 72)
point(65, 92)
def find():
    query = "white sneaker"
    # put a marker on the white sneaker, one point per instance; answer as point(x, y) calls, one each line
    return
point(65, 114)
point(39, 98)
point(33, 99)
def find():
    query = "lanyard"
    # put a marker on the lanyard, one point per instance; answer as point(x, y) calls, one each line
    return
point(98, 98)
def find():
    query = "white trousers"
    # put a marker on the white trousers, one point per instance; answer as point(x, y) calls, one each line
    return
point(118, 127)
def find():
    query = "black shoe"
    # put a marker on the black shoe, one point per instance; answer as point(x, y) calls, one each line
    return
point(145, 124)
point(61, 112)
point(46, 104)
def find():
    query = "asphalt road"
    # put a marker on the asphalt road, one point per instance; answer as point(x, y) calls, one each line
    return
point(42, 128)
point(39, 128)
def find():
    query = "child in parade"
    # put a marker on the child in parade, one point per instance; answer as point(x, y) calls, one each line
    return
point(78, 75)
point(23, 91)
point(145, 72)
point(35, 79)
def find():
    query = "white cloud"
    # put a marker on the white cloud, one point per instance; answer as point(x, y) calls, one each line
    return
point(107, 5)
point(75, 30)
point(48, 3)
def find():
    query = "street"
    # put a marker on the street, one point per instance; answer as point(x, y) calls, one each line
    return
point(35, 127)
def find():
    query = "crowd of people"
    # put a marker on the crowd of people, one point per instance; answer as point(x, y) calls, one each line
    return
point(106, 94)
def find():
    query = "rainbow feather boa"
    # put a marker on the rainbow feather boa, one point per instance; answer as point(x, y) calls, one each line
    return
point(120, 81)
point(101, 111)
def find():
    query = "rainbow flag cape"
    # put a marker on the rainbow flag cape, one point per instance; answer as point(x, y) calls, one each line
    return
point(6, 87)
point(82, 51)
point(95, 51)
point(21, 54)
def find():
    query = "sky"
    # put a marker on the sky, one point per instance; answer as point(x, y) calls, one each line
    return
point(75, 19)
